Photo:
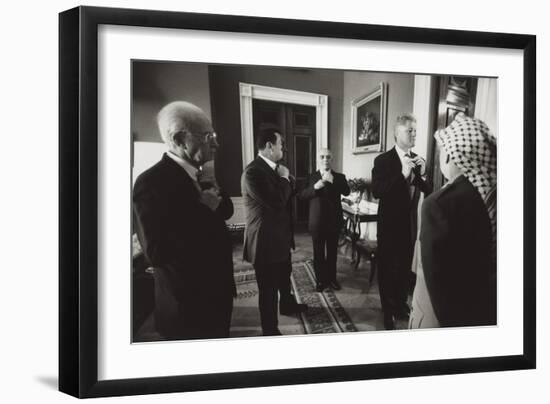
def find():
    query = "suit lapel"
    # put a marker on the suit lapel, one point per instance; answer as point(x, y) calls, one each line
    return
point(264, 166)
point(395, 160)
point(180, 176)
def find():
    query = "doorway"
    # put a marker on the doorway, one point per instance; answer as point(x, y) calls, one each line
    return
point(297, 124)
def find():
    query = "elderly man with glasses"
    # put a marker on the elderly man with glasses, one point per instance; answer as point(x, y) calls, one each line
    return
point(180, 218)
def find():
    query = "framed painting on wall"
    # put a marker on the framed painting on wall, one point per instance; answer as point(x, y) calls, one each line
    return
point(368, 121)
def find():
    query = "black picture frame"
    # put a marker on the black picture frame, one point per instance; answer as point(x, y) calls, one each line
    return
point(78, 206)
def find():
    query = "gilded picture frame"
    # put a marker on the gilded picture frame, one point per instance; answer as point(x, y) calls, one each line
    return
point(368, 121)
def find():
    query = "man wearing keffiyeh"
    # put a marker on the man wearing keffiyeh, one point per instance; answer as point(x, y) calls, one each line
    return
point(458, 232)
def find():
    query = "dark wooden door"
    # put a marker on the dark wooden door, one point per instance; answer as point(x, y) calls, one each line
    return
point(297, 126)
point(455, 94)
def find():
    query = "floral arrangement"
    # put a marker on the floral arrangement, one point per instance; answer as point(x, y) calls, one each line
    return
point(361, 186)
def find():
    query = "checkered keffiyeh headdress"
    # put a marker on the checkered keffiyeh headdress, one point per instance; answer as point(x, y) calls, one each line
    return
point(473, 148)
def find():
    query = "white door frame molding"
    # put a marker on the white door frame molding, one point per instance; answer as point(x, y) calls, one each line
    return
point(423, 112)
point(248, 92)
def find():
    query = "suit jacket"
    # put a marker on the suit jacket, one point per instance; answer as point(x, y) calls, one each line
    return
point(325, 206)
point(456, 242)
point(268, 235)
point(187, 243)
point(397, 209)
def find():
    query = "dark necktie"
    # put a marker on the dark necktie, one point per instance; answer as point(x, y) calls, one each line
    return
point(197, 181)
point(410, 179)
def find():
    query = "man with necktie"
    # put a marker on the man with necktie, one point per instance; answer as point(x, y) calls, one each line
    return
point(323, 192)
point(180, 222)
point(397, 180)
point(267, 188)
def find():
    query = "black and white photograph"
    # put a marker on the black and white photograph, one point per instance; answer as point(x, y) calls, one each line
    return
point(275, 202)
point(256, 211)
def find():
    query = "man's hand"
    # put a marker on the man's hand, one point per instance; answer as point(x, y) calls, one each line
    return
point(211, 198)
point(319, 184)
point(327, 176)
point(283, 171)
point(421, 164)
point(408, 166)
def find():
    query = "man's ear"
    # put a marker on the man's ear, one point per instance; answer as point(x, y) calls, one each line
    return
point(178, 139)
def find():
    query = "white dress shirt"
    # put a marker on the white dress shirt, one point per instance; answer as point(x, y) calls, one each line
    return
point(269, 162)
point(272, 165)
point(401, 154)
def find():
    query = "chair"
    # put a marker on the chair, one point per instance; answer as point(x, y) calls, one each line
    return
point(367, 248)
point(351, 233)
point(236, 223)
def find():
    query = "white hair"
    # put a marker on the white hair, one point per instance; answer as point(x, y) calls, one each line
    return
point(179, 116)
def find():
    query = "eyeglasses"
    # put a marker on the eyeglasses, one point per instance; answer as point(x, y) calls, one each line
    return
point(206, 137)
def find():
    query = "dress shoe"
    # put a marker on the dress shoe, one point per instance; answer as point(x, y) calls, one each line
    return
point(388, 322)
point(320, 286)
point(272, 332)
point(335, 285)
point(296, 308)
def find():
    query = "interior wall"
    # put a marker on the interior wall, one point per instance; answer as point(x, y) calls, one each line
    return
point(224, 86)
point(399, 100)
point(156, 84)
point(215, 89)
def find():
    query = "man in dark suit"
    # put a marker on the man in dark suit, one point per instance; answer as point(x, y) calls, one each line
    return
point(324, 191)
point(267, 190)
point(458, 232)
point(181, 227)
point(397, 181)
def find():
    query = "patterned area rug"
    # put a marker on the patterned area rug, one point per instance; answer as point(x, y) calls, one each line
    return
point(325, 313)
